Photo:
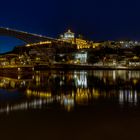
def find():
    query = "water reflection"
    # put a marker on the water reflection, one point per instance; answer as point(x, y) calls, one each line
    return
point(69, 89)
point(128, 96)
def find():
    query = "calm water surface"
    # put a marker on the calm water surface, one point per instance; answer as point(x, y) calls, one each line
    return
point(70, 105)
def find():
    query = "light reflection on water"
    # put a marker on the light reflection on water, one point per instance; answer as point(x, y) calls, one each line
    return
point(69, 89)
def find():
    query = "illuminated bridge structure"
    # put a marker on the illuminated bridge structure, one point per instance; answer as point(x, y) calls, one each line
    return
point(28, 38)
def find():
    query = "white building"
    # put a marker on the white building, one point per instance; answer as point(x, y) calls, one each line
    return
point(82, 57)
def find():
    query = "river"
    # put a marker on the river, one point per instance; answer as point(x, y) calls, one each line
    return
point(97, 104)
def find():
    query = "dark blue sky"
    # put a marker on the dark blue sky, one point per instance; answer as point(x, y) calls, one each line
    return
point(95, 19)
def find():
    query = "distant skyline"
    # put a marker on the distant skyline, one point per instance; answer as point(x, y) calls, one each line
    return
point(94, 19)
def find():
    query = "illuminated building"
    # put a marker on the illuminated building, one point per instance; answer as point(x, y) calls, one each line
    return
point(68, 36)
point(81, 43)
point(81, 57)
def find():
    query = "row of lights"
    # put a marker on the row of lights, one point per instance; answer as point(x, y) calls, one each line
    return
point(40, 43)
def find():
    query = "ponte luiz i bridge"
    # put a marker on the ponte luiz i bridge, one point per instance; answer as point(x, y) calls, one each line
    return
point(38, 43)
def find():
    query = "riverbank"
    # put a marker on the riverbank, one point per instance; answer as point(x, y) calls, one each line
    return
point(58, 66)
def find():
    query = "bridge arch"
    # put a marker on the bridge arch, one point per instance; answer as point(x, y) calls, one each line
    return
point(24, 36)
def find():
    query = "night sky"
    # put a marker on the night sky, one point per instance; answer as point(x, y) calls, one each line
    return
point(95, 19)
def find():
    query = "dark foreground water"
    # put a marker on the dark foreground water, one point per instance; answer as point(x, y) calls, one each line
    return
point(69, 105)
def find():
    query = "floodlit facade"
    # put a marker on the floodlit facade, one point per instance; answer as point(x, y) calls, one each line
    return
point(81, 43)
point(81, 57)
point(68, 37)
